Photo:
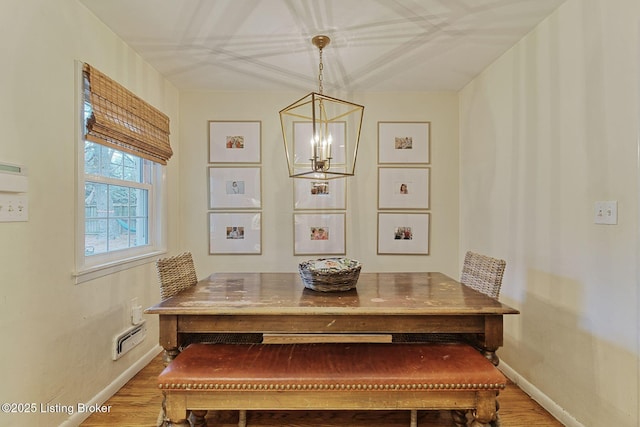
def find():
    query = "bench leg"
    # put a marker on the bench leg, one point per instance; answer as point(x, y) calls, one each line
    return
point(179, 423)
point(242, 418)
point(459, 418)
point(414, 418)
point(161, 421)
point(486, 412)
point(198, 418)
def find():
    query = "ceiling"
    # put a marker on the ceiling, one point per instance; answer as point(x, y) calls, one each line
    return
point(376, 45)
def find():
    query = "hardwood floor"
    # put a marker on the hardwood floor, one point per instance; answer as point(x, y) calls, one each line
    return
point(138, 403)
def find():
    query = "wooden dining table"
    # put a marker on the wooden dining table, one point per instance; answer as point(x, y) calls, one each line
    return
point(381, 303)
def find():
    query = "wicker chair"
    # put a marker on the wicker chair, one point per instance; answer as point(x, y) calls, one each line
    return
point(483, 273)
point(480, 272)
point(177, 273)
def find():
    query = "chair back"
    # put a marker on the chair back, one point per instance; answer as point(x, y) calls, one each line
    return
point(483, 273)
point(175, 274)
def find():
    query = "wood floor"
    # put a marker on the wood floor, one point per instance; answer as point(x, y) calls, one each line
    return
point(137, 404)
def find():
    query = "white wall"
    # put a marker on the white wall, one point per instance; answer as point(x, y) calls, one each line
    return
point(58, 335)
point(441, 109)
point(546, 131)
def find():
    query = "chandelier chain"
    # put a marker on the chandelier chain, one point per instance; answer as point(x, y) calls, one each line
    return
point(320, 77)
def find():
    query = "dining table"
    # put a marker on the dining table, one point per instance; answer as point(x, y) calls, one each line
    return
point(381, 303)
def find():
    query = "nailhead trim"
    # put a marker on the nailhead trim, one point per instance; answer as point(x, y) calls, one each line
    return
point(313, 387)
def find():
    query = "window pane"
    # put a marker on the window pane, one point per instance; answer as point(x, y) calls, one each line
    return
point(139, 202)
point(119, 201)
point(91, 158)
point(95, 200)
point(94, 241)
point(116, 217)
point(131, 168)
point(106, 161)
point(111, 163)
point(119, 235)
point(138, 232)
point(140, 214)
point(115, 169)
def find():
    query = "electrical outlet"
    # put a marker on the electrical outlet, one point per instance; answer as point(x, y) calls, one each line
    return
point(606, 213)
point(14, 207)
point(136, 312)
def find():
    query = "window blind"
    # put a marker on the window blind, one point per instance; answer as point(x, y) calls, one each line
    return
point(121, 120)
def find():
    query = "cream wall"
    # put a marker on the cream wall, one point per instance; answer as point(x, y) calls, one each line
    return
point(546, 131)
point(58, 335)
point(441, 109)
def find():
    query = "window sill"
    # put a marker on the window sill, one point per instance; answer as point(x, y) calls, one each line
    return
point(94, 272)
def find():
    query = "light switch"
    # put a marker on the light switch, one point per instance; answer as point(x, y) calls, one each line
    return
point(606, 212)
point(14, 207)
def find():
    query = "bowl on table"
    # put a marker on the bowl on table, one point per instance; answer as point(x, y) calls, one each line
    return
point(330, 274)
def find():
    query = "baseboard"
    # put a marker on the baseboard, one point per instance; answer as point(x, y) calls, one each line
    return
point(77, 418)
point(536, 394)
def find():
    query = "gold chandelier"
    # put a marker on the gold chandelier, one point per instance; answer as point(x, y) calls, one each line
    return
point(321, 133)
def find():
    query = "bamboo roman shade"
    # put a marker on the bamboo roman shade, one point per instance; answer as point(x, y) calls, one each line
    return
point(123, 121)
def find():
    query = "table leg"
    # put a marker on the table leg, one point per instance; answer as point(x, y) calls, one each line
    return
point(492, 339)
point(169, 337)
point(491, 355)
point(198, 418)
point(169, 354)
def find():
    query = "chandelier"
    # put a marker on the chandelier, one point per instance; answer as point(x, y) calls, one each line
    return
point(321, 133)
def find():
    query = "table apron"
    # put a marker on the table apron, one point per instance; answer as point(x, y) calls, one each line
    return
point(283, 323)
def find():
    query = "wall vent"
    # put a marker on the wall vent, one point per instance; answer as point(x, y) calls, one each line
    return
point(128, 339)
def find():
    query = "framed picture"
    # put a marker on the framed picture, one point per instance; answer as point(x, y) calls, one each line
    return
point(302, 136)
point(319, 194)
point(234, 187)
point(235, 233)
point(403, 233)
point(404, 142)
point(403, 188)
point(319, 234)
point(234, 141)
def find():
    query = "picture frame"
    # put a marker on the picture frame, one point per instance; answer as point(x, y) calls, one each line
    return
point(403, 188)
point(235, 141)
point(237, 233)
point(235, 187)
point(403, 233)
point(302, 134)
point(404, 142)
point(309, 194)
point(319, 234)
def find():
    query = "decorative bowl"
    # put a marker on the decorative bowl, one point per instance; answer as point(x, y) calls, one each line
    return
point(330, 274)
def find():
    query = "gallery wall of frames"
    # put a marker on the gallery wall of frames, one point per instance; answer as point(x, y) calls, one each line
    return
point(235, 187)
point(234, 174)
point(404, 181)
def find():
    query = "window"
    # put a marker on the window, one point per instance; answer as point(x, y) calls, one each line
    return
point(116, 200)
point(120, 201)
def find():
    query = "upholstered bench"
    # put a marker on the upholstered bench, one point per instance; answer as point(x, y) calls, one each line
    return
point(331, 376)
